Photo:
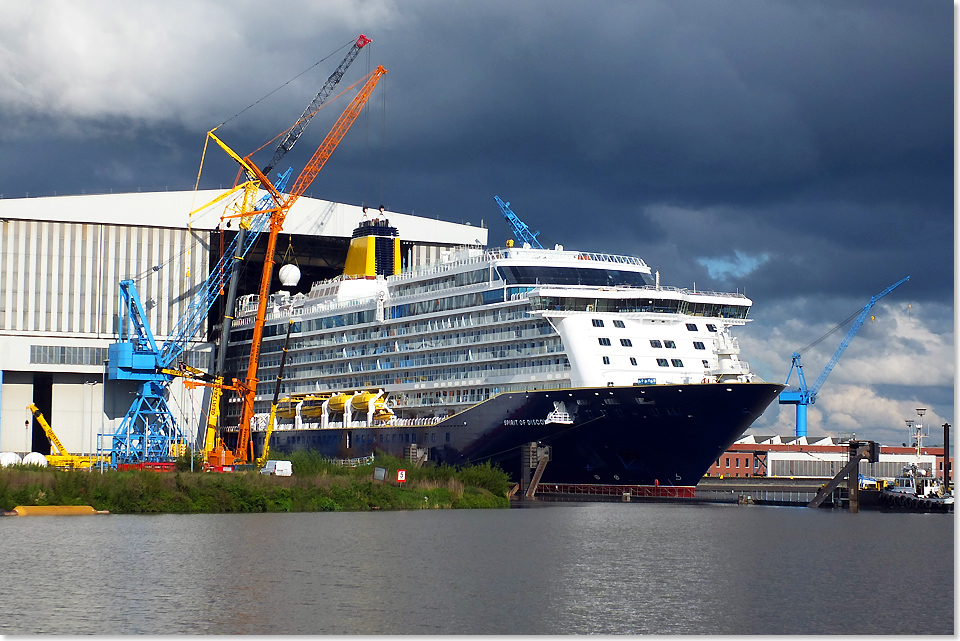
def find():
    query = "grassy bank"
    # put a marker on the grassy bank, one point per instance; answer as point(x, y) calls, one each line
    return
point(316, 486)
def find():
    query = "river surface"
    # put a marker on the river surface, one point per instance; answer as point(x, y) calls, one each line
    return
point(606, 568)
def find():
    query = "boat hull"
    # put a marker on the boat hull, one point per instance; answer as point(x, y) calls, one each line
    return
point(639, 435)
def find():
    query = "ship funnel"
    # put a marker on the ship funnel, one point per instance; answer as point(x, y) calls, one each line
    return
point(374, 250)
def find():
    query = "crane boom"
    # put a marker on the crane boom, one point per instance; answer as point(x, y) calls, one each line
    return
point(285, 145)
point(294, 133)
point(310, 171)
point(520, 229)
point(803, 396)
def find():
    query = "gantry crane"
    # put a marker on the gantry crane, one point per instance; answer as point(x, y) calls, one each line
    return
point(244, 446)
point(520, 229)
point(803, 395)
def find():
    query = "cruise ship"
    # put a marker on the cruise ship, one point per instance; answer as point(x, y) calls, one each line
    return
point(471, 358)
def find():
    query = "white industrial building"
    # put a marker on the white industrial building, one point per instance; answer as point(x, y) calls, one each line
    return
point(62, 259)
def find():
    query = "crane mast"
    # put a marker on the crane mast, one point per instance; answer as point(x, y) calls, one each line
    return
point(244, 445)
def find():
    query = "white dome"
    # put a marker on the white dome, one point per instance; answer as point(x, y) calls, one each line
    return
point(35, 458)
point(9, 458)
point(289, 275)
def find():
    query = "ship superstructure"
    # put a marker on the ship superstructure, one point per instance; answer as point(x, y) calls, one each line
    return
point(444, 337)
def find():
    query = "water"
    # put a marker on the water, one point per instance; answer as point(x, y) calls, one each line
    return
point(606, 568)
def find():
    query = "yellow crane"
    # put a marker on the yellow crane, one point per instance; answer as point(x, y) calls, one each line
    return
point(62, 458)
point(273, 405)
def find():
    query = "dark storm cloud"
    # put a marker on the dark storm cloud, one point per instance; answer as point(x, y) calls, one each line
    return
point(799, 151)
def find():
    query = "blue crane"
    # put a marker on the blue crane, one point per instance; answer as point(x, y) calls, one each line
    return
point(520, 229)
point(803, 396)
point(149, 431)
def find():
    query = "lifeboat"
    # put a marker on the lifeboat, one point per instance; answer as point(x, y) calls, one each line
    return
point(361, 400)
point(338, 402)
point(313, 405)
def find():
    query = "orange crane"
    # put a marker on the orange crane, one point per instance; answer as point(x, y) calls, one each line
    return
point(243, 452)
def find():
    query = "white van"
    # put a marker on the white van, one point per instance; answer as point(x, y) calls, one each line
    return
point(278, 468)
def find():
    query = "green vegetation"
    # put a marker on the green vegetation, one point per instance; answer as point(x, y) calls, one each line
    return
point(317, 485)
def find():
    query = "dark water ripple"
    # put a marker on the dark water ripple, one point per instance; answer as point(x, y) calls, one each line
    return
point(556, 569)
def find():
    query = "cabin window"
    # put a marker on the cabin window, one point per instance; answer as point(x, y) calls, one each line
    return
point(606, 360)
point(698, 345)
point(626, 342)
point(618, 323)
point(692, 327)
point(604, 341)
point(676, 362)
point(711, 328)
point(662, 362)
point(633, 361)
point(597, 322)
point(655, 343)
point(706, 364)
point(669, 344)
point(349, 439)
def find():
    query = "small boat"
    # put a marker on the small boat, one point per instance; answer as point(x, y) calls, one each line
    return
point(916, 489)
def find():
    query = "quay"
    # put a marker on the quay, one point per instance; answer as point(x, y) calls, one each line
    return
point(795, 492)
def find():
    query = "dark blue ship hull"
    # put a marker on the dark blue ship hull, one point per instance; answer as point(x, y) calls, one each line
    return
point(640, 435)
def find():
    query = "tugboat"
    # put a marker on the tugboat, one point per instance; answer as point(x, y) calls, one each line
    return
point(916, 489)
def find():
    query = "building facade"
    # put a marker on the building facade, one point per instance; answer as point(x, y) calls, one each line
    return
point(804, 457)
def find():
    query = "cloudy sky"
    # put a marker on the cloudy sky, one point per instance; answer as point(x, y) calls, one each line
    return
point(800, 152)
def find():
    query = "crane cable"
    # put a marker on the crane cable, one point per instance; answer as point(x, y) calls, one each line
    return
point(254, 104)
point(835, 329)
